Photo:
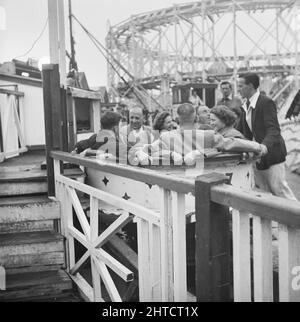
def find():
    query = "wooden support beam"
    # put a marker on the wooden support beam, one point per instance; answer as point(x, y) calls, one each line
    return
point(108, 281)
point(241, 256)
point(212, 242)
point(81, 93)
point(11, 92)
point(79, 212)
point(53, 121)
point(289, 264)
point(116, 226)
point(53, 31)
point(113, 264)
point(262, 260)
point(71, 121)
point(64, 120)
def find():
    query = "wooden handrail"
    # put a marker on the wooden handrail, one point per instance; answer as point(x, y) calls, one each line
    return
point(11, 92)
point(143, 175)
point(81, 93)
point(258, 203)
point(263, 205)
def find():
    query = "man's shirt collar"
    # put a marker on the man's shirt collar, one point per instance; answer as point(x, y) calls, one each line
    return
point(253, 100)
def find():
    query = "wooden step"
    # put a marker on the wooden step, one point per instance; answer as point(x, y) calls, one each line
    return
point(29, 181)
point(31, 249)
point(28, 214)
point(36, 286)
point(33, 269)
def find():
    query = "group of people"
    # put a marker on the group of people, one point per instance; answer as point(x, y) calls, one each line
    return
point(250, 125)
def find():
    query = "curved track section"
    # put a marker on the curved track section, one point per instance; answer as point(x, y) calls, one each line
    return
point(207, 41)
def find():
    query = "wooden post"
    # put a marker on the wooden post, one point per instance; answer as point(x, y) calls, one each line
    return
point(212, 242)
point(53, 121)
point(57, 44)
point(289, 264)
point(71, 121)
point(64, 120)
point(53, 31)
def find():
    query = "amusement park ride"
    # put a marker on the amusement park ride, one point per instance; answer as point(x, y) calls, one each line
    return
point(208, 41)
point(201, 227)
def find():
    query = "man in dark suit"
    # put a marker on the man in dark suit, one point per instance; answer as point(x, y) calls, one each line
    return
point(260, 123)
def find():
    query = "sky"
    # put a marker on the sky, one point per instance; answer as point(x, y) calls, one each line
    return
point(25, 20)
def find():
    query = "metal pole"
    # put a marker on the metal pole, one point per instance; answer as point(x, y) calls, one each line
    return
point(62, 43)
point(134, 51)
point(203, 50)
point(235, 71)
point(296, 10)
point(192, 49)
point(213, 39)
point(73, 64)
point(277, 36)
point(161, 68)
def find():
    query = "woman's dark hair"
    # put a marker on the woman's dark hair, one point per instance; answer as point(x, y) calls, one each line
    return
point(109, 120)
point(160, 120)
point(237, 111)
point(223, 113)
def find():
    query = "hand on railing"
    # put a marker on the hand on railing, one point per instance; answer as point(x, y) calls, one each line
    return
point(190, 158)
point(177, 158)
point(105, 157)
point(263, 151)
point(143, 158)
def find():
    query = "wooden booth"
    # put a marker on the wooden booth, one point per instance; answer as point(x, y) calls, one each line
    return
point(206, 92)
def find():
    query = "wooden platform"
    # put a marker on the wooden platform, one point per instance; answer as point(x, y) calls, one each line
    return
point(31, 249)
point(48, 286)
point(24, 175)
point(28, 214)
point(29, 159)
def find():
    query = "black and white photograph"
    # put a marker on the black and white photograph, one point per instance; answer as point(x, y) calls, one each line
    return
point(149, 154)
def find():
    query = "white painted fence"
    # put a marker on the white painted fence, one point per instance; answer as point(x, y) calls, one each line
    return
point(272, 250)
point(162, 238)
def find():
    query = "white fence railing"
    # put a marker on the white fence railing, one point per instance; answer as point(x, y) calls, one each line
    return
point(266, 239)
point(264, 254)
point(160, 237)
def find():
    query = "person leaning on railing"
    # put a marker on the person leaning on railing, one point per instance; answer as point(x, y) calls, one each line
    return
point(260, 123)
point(222, 120)
point(187, 142)
point(106, 141)
point(135, 132)
point(203, 118)
point(163, 122)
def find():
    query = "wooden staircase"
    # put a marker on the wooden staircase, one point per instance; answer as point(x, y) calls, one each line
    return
point(31, 249)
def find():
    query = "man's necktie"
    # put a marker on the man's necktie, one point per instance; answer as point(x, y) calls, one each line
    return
point(248, 104)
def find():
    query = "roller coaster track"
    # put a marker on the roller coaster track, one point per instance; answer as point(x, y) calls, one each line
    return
point(157, 18)
point(190, 42)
